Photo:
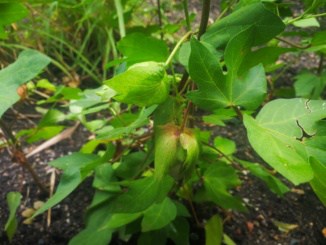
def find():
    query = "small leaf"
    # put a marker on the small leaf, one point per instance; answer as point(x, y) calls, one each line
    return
point(159, 215)
point(13, 201)
point(214, 231)
point(284, 227)
point(143, 84)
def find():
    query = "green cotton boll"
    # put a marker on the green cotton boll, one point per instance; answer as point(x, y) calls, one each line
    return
point(143, 84)
point(175, 152)
point(166, 148)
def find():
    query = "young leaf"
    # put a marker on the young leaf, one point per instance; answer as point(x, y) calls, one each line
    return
point(153, 50)
point(29, 64)
point(143, 84)
point(13, 201)
point(278, 131)
point(266, 26)
point(159, 215)
point(214, 231)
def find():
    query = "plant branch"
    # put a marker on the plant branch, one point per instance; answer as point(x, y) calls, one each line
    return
point(160, 23)
point(204, 17)
point(321, 65)
point(186, 12)
point(292, 44)
point(19, 156)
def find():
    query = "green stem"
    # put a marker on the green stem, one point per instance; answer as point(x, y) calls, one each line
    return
point(175, 50)
point(160, 23)
point(119, 9)
point(321, 64)
point(302, 15)
point(186, 11)
point(204, 17)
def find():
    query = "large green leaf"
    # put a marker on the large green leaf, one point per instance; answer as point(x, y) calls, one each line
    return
point(29, 64)
point(266, 25)
point(141, 193)
point(143, 84)
point(151, 49)
point(9, 13)
point(214, 231)
point(13, 201)
point(159, 215)
point(216, 90)
point(278, 135)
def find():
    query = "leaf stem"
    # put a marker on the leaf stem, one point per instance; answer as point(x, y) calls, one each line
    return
point(321, 65)
point(20, 157)
point(177, 46)
point(119, 9)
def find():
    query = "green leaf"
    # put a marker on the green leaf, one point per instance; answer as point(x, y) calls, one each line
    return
point(266, 26)
point(133, 164)
point(9, 13)
point(219, 177)
point(13, 201)
point(309, 22)
point(278, 131)
point(74, 161)
point(318, 183)
point(110, 133)
point(94, 233)
point(214, 231)
point(118, 220)
point(69, 181)
point(266, 56)
point(152, 49)
point(273, 183)
point(178, 231)
point(215, 90)
point(142, 193)
point(225, 145)
point(143, 84)
point(159, 215)
point(29, 64)
point(308, 85)
point(103, 178)
point(237, 49)
point(76, 168)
